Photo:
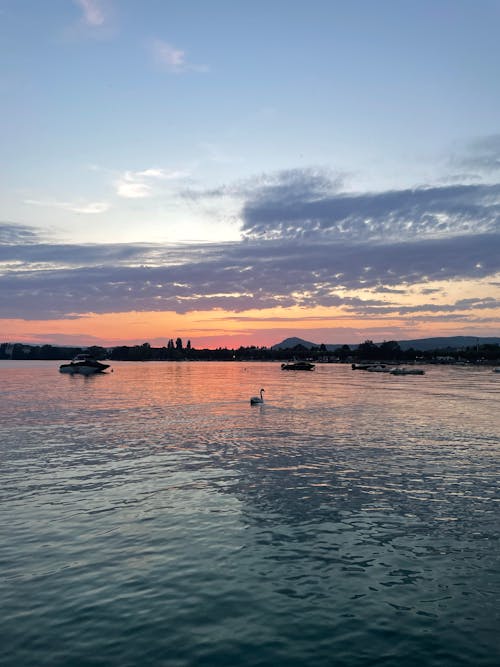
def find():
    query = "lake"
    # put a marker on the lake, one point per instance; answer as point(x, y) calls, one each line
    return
point(152, 516)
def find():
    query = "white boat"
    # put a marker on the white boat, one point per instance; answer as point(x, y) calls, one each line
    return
point(83, 364)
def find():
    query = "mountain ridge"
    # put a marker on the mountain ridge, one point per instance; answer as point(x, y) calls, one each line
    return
point(437, 342)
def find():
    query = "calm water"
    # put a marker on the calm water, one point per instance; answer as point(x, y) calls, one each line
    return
point(151, 516)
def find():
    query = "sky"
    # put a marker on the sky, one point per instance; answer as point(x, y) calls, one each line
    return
point(235, 173)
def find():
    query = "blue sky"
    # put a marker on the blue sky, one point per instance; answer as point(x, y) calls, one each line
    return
point(356, 128)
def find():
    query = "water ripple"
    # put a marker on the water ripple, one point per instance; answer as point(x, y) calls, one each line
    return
point(152, 516)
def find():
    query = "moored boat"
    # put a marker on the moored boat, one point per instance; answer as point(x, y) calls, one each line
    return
point(372, 367)
point(407, 371)
point(298, 366)
point(83, 364)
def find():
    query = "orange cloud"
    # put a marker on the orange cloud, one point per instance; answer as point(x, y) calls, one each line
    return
point(218, 328)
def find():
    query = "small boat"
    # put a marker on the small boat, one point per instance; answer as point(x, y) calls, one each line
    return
point(407, 371)
point(297, 366)
point(83, 364)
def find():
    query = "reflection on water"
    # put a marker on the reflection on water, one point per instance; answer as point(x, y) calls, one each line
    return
point(153, 516)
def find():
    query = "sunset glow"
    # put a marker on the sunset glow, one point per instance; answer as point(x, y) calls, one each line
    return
point(162, 183)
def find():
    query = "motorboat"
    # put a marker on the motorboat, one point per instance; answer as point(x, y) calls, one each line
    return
point(298, 366)
point(83, 364)
point(407, 371)
point(372, 367)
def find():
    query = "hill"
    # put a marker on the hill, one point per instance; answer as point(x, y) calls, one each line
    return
point(455, 342)
point(293, 342)
point(439, 342)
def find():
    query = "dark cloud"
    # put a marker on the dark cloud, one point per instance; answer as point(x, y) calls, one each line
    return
point(270, 212)
point(235, 276)
point(304, 243)
point(70, 255)
point(12, 234)
point(368, 308)
point(291, 185)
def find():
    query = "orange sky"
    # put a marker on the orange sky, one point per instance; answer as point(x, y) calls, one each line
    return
point(219, 328)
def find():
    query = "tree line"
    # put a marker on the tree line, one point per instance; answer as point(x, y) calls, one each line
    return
point(388, 351)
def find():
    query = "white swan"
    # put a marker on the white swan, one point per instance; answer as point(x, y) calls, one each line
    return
point(257, 399)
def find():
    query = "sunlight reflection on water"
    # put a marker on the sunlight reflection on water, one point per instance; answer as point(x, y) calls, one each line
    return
point(153, 514)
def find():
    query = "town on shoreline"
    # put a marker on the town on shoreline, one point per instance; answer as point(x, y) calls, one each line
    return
point(387, 352)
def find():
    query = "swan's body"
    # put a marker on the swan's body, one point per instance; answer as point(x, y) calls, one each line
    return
point(257, 399)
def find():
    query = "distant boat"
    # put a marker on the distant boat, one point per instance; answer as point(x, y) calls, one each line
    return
point(378, 368)
point(297, 366)
point(83, 364)
point(407, 371)
point(372, 367)
point(496, 370)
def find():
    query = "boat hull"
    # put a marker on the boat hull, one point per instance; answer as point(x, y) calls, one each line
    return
point(83, 369)
point(407, 371)
point(298, 366)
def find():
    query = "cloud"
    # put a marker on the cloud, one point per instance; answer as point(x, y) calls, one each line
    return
point(301, 205)
point(305, 242)
point(93, 207)
point(173, 59)
point(130, 189)
point(483, 154)
point(12, 234)
point(290, 186)
point(75, 207)
point(92, 12)
point(64, 281)
point(139, 184)
point(161, 174)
